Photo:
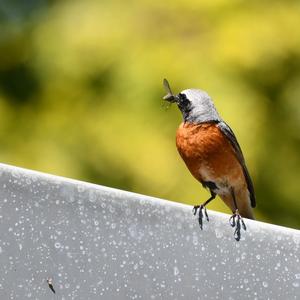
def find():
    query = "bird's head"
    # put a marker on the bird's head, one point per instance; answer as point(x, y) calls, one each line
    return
point(196, 106)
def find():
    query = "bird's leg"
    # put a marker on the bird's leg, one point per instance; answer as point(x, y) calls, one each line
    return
point(201, 208)
point(236, 220)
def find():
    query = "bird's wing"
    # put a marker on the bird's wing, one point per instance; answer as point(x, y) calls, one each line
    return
point(226, 130)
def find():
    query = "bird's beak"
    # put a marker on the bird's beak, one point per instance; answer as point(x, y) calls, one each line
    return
point(170, 97)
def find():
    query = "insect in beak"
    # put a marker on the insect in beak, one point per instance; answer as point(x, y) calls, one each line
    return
point(170, 97)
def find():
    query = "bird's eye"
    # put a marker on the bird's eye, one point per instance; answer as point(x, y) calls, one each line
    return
point(184, 99)
point(182, 96)
point(184, 102)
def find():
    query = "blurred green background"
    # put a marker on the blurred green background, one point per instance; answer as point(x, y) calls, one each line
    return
point(81, 89)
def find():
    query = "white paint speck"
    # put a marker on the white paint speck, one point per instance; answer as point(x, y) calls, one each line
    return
point(265, 284)
point(176, 271)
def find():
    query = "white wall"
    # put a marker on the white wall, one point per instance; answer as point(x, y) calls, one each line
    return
point(100, 243)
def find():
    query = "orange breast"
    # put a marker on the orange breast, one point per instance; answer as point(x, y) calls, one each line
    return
point(208, 154)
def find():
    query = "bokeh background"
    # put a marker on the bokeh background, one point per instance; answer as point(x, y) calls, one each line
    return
point(81, 89)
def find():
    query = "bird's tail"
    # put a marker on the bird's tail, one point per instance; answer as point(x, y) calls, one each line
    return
point(243, 204)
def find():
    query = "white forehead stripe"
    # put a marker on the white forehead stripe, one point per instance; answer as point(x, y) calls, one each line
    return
point(195, 93)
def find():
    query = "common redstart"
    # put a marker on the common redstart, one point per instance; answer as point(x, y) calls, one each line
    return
point(213, 155)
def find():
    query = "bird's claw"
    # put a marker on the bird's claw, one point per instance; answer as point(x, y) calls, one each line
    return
point(195, 208)
point(237, 221)
point(200, 215)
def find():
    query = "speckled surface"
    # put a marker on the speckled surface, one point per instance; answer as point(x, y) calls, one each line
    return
point(100, 243)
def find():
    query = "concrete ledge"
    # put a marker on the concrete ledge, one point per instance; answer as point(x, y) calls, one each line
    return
point(95, 242)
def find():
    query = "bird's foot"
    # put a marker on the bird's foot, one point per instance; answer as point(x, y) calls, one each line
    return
point(201, 215)
point(237, 221)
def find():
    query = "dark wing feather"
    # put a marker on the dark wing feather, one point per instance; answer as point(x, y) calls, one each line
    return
point(226, 130)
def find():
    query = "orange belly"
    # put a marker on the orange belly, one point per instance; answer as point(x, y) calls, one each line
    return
point(209, 155)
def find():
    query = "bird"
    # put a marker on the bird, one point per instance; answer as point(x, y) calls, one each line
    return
point(213, 155)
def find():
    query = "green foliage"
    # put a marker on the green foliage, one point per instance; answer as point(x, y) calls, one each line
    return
point(81, 89)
